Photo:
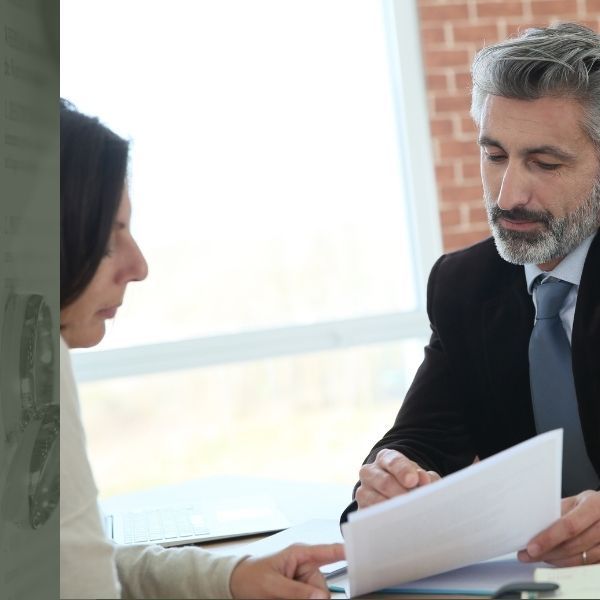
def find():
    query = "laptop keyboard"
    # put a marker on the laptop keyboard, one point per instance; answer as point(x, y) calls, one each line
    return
point(154, 525)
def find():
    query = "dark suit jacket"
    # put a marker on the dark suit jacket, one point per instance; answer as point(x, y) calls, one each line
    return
point(471, 396)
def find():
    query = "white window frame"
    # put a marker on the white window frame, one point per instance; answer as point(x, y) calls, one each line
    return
point(414, 142)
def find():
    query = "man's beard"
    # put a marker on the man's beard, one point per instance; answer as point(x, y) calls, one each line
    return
point(557, 237)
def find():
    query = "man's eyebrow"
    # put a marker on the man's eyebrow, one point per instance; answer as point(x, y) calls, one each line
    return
point(545, 149)
point(552, 151)
point(484, 140)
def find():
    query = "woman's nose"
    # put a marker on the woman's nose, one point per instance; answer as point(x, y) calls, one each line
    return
point(141, 266)
point(135, 267)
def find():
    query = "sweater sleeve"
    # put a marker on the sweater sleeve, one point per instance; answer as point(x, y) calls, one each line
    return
point(188, 572)
point(87, 567)
point(93, 567)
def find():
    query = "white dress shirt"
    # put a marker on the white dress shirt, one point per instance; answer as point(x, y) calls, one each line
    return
point(568, 269)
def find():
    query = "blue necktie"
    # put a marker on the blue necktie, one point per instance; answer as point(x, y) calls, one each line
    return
point(553, 387)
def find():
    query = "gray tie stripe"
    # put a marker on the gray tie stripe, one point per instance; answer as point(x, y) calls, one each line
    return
point(553, 386)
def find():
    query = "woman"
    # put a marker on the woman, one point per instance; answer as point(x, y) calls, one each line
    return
point(99, 258)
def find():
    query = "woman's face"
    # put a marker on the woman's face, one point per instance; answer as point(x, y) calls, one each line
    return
point(82, 321)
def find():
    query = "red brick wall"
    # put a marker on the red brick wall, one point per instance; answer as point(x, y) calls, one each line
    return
point(451, 32)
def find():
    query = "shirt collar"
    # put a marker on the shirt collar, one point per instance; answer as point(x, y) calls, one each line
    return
point(568, 269)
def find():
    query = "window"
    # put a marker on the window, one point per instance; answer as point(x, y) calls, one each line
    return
point(275, 199)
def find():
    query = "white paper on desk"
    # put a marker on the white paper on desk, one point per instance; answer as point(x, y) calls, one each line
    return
point(315, 531)
point(491, 508)
point(574, 582)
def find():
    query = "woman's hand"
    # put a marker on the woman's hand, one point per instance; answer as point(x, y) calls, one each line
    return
point(291, 573)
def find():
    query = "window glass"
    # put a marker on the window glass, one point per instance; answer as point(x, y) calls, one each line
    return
point(268, 192)
point(312, 417)
point(265, 174)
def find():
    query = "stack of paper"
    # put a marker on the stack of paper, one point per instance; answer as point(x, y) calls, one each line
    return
point(481, 579)
point(488, 509)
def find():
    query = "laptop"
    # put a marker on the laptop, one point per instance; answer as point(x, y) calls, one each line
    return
point(192, 522)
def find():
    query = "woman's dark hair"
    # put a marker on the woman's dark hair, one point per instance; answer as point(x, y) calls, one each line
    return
point(93, 168)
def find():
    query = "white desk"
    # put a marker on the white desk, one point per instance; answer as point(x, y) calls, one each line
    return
point(298, 501)
point(245, 547)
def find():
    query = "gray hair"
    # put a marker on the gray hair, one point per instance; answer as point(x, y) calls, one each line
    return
point(562, 60)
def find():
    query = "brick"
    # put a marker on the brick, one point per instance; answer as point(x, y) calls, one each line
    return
point(457, 240)
point(477, 213)
point(444, 174)
point(479, 34)
point(467, 127)
point(437, 81)
point(446, 58)
point(441, 127)
point(515, 28)
point(433, 35)
point(441, 13)
point(460, 193)
point(448, 205)
point(553, 7)
point(452, 103)
point(499, 8)
point(592, 6)
point(450, 217)
point(470, 170)
point(593, 24)
point(457, 149)
point(462, 81)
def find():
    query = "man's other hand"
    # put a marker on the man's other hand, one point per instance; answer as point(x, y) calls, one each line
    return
point(574, 539)
point(390, 475)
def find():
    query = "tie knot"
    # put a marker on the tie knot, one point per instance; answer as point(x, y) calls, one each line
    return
point(550, 296)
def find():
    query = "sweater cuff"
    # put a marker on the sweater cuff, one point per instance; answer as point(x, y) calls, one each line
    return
point(186, 572)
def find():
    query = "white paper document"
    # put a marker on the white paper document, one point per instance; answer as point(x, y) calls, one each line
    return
point(315, 531)
point(488, 509)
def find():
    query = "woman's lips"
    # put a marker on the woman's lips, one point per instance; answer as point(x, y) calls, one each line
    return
point(108, 313)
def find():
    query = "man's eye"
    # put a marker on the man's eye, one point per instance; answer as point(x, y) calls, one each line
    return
point(495, 157)
point(548, 166)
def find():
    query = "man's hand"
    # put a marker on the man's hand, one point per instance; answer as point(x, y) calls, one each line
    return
point(291, 573)
point(574, 539)
point(390, 475)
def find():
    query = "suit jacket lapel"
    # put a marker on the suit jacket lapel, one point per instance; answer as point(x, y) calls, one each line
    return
point(508, 319)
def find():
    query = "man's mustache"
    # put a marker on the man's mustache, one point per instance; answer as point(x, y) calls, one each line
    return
point(519, 214)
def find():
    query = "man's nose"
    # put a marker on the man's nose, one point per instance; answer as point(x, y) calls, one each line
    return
point(515, 188)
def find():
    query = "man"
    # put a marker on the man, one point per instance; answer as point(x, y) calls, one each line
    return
point(515, 350)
